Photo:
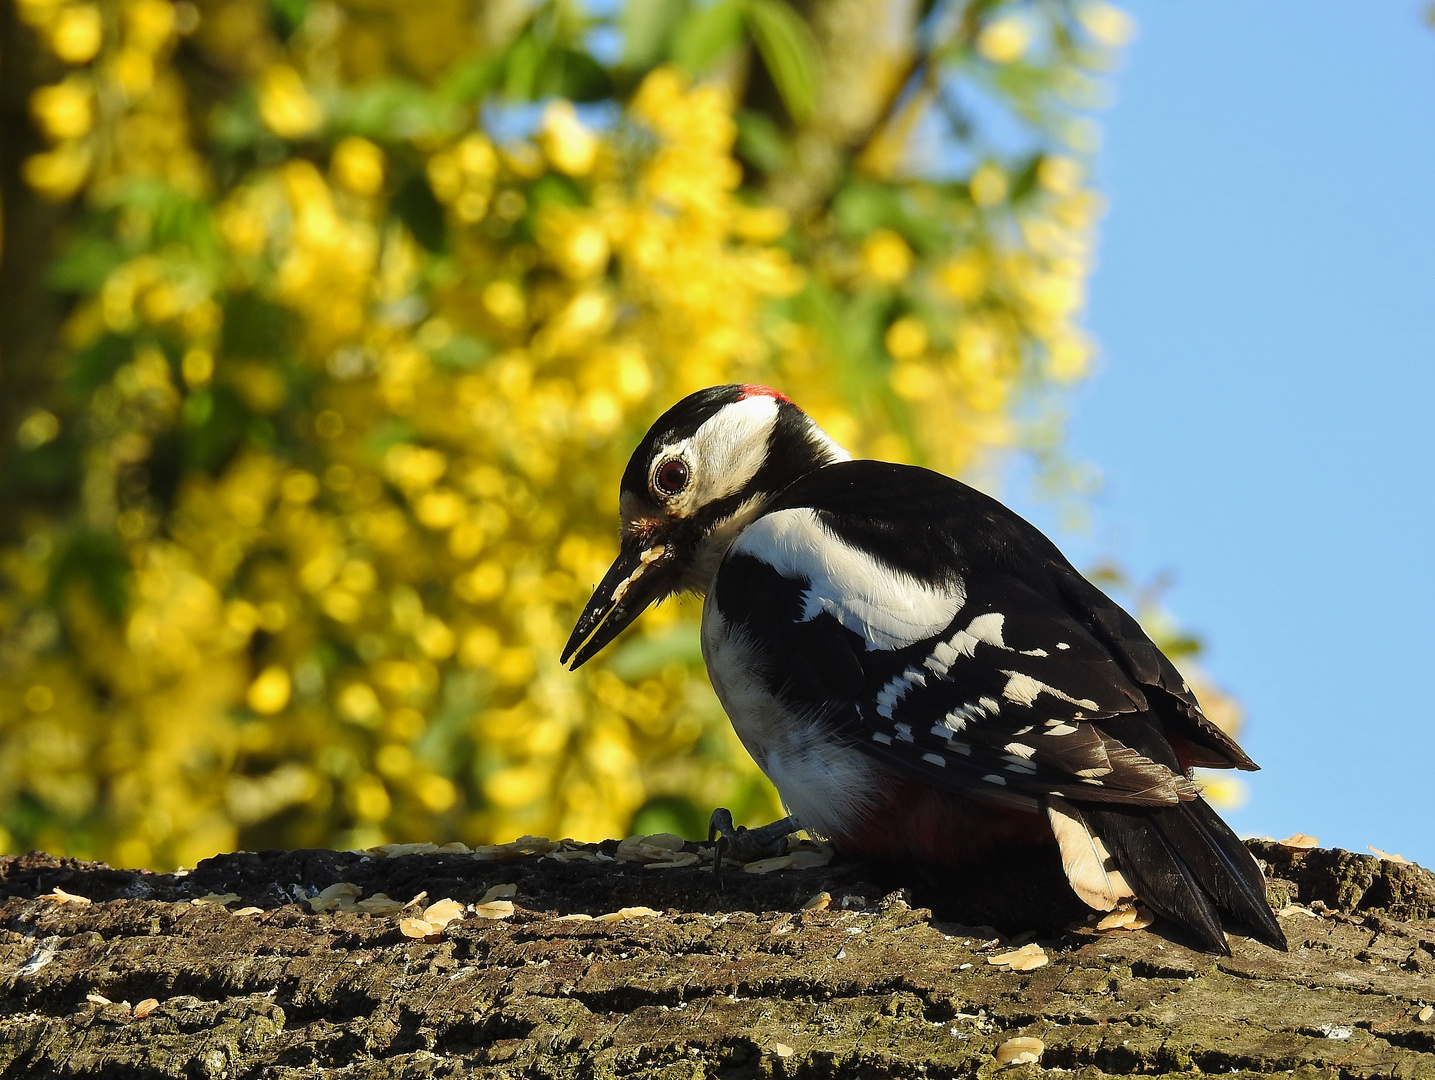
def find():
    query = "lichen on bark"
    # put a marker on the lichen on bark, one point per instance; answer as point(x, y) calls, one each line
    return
point(742, 982)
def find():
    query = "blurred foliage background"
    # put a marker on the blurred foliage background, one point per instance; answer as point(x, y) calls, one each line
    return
point(326, 327)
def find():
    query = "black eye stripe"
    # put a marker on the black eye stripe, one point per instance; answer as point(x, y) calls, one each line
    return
point(671, 476)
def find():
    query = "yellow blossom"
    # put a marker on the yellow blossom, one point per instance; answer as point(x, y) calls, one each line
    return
point(1004, 40)
point(269, 693)
point(1108, 24)
point(57, 174)
point(988, 184)
point(906, 338)
point(63, 111)
point(285, 105)
point(569, 145)
point(76, 33)
point(357, 459)
point(886, 256)
point(359, 165)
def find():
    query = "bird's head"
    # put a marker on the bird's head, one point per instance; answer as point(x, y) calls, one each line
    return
point(704, 470)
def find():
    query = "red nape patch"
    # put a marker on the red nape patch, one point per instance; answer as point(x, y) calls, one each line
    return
point(756, 390)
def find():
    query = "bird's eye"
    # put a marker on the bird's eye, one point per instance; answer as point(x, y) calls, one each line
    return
point(671, 476)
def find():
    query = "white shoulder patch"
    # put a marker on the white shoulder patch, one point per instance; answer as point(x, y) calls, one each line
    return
point(889, 608)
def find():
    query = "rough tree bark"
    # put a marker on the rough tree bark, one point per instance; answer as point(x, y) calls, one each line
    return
point(733, 984)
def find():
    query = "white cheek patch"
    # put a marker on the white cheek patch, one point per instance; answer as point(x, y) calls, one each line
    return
point(889, 608)
point(725, 452)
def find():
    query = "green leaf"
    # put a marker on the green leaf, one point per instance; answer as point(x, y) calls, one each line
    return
point(418, 208)
point(254, 328)
point(675, 814)
point(472, 79)
point(554, 190)
point(394, 109)
point(861, 206)
point(760, 142)
point(568, 73)
point(216, 423)
point(521, 67)
point(648, 28)
point(707, 35)
point(643, 656)
point(84, 265)
point(288, 15)
point(461, 353)
point(787, 48)
point(94, 558)
point(97, 362)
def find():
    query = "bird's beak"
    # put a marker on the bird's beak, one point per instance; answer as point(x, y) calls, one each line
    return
point(639, 575)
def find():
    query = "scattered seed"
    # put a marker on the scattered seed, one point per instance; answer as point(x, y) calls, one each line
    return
point(215, 899)
point(1299, 841)
point(782, 1050)
point(60, 896)
point(1126, 918)
point(684, 858)
point(579, 855)
point(248, 911)
point(1298, 909)
point(416, 928)
point(494, 909)
point(339, 896)
point(1336, 1031)
point(379, 904)
point(1027, 958)
point(1020, 1051)
point(767, 866)
point(443, 912)
point(821, 902)
point(656, 848)
point(394, 851)
point(627, 913)
point(418, 901)
point(145, 1007)
point(1117, 919)
point(516, 849)
point(1427, 1014)
point(577, 916)
point(98, 999)
point(1385, 856)
point(500, 892)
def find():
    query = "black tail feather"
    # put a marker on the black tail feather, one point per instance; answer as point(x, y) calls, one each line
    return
point(1238, 886)
point(1159, 876)
point(1186, 864)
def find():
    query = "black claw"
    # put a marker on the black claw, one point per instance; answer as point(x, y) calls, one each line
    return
point(743, 843)
point(721, 832)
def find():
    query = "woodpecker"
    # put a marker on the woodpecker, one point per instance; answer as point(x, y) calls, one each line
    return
point(917, 669)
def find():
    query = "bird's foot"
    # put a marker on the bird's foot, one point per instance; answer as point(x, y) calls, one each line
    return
point(741, 844)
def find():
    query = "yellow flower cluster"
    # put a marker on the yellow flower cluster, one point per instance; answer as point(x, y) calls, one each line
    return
point(351, 450)
point(122, 111)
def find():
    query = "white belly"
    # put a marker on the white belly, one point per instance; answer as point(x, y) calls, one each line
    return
point(829, 787)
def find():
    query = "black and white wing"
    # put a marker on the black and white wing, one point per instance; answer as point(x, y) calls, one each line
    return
point(943, 635)
point(977, 684)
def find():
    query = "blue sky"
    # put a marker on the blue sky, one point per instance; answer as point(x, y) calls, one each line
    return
point(1265, 305)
